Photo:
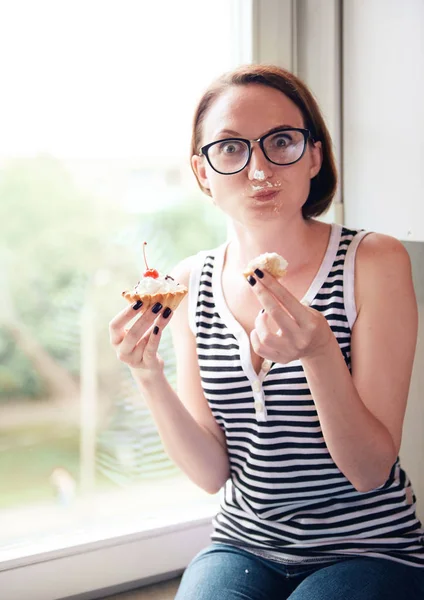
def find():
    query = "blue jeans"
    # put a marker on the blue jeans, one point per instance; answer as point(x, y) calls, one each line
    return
point(225, 572)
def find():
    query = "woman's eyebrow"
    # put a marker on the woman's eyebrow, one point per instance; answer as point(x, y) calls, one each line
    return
point(237, 134)
point(227, 131)
point(278, 128)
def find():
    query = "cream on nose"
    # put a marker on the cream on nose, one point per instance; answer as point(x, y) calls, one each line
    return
point(259, 175)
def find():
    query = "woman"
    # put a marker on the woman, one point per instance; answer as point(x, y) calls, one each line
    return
point(291, 395)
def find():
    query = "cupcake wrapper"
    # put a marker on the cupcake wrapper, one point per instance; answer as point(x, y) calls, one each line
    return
point(170, 299)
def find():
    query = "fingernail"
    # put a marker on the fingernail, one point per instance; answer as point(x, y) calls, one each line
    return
point(166, 312)
point(138, 305)
point(259, 273)
point(156, 329)
point(156, 307)
point(251, 280)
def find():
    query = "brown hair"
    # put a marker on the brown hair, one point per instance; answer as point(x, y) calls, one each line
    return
point(323, 185)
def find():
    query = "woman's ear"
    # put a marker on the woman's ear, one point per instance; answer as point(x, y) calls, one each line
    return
point(316, 159)
point(198, 164)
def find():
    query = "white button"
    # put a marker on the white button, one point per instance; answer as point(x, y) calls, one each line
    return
point(259, 407)
point(266, 365)
point(256, 385)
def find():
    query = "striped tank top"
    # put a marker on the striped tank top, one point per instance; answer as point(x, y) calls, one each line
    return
point(286, 499)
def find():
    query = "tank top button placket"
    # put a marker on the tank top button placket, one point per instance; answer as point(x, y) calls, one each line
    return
point(259, 400)
point(266, 365)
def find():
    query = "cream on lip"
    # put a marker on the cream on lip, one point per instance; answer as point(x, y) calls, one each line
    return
point(267, 184)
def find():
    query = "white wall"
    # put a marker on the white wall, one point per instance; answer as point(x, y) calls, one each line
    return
point(383, 115)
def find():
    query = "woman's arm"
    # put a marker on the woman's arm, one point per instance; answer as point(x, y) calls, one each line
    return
point(361, 415)
point(191, 444)
point(189, 432)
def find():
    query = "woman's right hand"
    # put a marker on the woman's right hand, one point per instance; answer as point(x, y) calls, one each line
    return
point(137, 345)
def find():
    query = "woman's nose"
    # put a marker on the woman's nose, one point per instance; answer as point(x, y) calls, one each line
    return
point(259, 166)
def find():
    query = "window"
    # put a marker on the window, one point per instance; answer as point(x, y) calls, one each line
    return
point(94, 159)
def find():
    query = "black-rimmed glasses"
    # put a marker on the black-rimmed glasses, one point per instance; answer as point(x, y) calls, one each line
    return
point(283, 146)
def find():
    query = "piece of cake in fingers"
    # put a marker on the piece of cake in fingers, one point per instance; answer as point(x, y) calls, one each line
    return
point(271, 262)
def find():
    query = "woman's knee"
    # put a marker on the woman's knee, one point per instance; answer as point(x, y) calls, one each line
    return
point(359, 579)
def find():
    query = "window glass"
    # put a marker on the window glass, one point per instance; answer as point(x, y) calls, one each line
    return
point(95, 124)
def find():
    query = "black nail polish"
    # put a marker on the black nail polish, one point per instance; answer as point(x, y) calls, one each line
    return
point(156, 330)
point(138, 305)
point(166, 312)
point(156, 307)
point(251, 280)
point(259, 273)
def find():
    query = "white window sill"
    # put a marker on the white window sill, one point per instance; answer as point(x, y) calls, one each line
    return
point(86, 561)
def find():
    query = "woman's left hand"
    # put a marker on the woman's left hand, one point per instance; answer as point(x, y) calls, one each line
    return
point(286, 330)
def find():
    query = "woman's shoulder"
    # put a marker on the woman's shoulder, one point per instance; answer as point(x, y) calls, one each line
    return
point(382, 267)
point(182, 272)
point(381, 251)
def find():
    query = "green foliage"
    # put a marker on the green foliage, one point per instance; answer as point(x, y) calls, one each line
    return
point(129, 449)
point(28, 456)
point(60, 246)
point(22, 377)
point(63, 252)
point(192, 226)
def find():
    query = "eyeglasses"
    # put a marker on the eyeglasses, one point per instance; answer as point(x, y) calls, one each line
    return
point(283, 146)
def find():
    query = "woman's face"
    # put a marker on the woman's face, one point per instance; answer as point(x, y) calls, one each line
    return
point(262, 189)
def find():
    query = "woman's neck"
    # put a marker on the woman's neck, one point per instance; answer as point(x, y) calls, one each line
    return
point(296, 242)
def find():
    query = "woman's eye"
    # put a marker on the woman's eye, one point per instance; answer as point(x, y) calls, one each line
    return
point(281, 141)
point(230, 147)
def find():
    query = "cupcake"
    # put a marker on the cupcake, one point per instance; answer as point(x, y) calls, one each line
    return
point(154, 287)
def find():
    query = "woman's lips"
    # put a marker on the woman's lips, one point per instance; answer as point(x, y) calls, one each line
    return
point(265, 194)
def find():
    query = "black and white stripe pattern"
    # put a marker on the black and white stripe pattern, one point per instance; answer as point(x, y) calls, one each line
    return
point(286, 498)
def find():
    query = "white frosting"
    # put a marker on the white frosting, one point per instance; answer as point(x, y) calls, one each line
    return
point(259, 175)
point(267, 184)
point(262, 259)
point(161, 285)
